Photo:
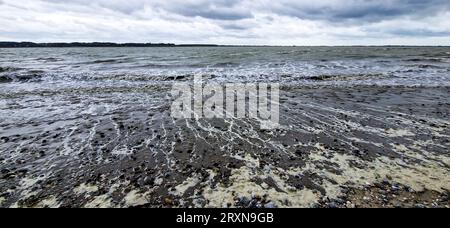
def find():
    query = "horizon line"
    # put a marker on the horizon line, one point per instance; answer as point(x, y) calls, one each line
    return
point(22, 44)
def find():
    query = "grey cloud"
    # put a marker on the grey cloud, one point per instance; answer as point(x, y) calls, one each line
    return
point(216, 10)
point(127, 7)
point(235, 27)
point(215, 14)
point(359, 10)
point(419, 33)
point(236, 21)
point(329, 10)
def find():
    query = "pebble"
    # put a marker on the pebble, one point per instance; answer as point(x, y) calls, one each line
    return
point(349, 204)
point(395, 188)
point(340, 201)
point(420, 206)
point(270, 205)
point(244, 201)
point(332, 205)
point(168, 201)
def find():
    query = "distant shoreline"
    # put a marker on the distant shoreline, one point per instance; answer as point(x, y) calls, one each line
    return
point(8, 44)
point(95, 44)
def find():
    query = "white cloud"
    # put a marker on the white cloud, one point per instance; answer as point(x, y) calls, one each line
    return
point(283, 22)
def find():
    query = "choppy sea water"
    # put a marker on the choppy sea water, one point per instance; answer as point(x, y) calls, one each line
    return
point(92, 127)
point(67, 67)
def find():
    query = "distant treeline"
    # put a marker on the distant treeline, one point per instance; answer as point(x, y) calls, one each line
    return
point(94, 44)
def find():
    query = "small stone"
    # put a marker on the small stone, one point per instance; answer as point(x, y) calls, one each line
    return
point(395, 188)
point(270, 205)
point(149, 181)
point(339, 201)
point(421, 206)
point(243, 201)
point(332, 205)
point(168, 201)
point(345, 190)
point(350, 205)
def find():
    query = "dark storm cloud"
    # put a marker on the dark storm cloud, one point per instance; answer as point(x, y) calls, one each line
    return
point(217, 10)
point(328, 10)
point(235, 26)
point(216, 14)
point(362, 10)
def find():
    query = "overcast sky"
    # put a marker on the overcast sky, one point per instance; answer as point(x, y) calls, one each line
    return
point(270, 22)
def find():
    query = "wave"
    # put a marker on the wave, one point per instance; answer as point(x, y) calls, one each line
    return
point(178, 78)
point(8, 69)
point(225, 64)
point(349, 77)
point(10, 74)
point(169, 66)
point(49, 60)
point(29, 76)
point(435, 60)
point(131, 77)
point(105, 61)
point(5, 79)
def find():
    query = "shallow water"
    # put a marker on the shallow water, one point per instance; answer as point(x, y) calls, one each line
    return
point(303, 65)
point(91, 127)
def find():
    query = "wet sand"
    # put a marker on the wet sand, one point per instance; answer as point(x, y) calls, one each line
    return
point(358, 146)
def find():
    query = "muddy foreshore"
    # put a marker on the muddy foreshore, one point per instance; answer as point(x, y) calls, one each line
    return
point(359, 146)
